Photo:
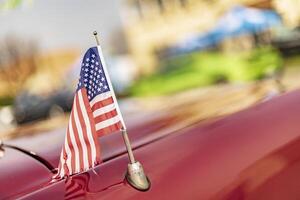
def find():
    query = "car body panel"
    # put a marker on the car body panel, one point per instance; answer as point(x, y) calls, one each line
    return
point(148, 129)
point(20, 174)
point(30, 107)
point(242, 156)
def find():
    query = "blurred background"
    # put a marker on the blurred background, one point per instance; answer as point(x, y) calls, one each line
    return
point(229, 54)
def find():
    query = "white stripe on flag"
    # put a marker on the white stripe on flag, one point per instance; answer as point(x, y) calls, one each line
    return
point(61, 169)
point(73, 141)
point(80, 133)
point(103, 110)
point(110, 85)
point(107, 122)
point(69, 155)
point(89, 129)
point(100, 97)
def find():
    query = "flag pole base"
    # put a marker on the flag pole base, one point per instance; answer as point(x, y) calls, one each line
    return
point(136, 177)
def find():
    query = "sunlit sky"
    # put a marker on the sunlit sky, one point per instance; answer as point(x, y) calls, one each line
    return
point(62, 23)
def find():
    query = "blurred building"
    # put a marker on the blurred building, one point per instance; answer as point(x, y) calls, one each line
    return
point(39, 40)
point(151, 25)
point(289, 10)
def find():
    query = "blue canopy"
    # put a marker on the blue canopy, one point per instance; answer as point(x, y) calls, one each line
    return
point(239, 20)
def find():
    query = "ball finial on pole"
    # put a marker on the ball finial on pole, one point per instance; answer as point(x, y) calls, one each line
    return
point(96, 37)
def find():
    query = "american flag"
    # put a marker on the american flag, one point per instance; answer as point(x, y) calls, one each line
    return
point(95, 113)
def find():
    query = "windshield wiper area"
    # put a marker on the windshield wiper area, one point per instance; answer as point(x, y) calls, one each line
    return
point(29, 153)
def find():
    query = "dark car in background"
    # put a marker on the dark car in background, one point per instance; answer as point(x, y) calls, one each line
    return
point(30, 107)
point(288, 41)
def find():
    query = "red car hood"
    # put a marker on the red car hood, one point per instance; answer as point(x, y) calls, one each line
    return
point(143, 129)
point(253, 154)
point(195, 161)
point(20, 173)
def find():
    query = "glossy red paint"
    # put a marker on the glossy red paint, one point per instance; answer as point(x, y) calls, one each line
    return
point(151, 128)
point(253, 154)
point(15, 171)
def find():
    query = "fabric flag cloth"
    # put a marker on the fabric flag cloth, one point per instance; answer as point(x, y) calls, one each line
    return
point(95, 113)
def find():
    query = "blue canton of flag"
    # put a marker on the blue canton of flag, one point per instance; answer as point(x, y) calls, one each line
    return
point(92, 75)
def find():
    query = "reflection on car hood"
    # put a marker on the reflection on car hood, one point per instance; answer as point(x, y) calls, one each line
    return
point(20, 173)
point(146, 129)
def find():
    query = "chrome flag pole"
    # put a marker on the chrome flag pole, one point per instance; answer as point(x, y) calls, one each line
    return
point(135, 174)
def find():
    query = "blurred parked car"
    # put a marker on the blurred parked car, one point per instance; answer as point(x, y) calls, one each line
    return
point(288, 41)
point(29, 107)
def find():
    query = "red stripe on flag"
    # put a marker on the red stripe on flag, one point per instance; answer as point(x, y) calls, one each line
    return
point(101, 104)
point(64, 154)
point(71, 147)
point(84, 131)
point(65, 167)
point(115, 127)
point(76, 134)
point(93, 126)
point(106, 116)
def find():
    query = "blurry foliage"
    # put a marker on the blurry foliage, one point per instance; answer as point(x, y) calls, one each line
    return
point(207, 68)
point(6, 100)
point(10, 4)
point(17, 62)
